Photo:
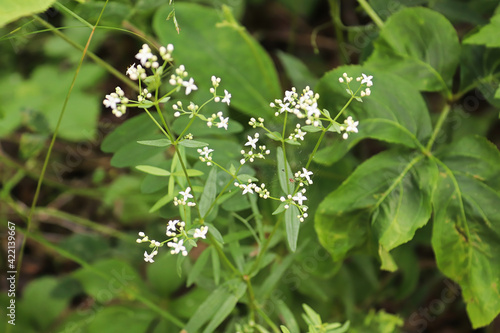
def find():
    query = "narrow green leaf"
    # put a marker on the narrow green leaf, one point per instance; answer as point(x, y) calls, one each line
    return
point(198, 267)
point(311, 129)
point(276, 136)
point(162, 201)
point(193, 144)
point(292, 225)
point(284, 329)
point(209, 192)
point(288, 317)
point(280, 209)
point(284, 174)
point(215, 265)
point(230, 290)
point(215, 232)
point(153, 170)
point(190, 173)
point(155, 143)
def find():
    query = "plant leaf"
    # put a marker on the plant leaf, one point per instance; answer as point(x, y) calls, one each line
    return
point(209, 192)
point(283, 173)
point(247, 69)
point(388, 196)
point(395, 111)
point(466, 241)
point(12, 9)
point(153, 170)
point(428, 61)
point(292, 224)
point(487, 35)
point(155, 143)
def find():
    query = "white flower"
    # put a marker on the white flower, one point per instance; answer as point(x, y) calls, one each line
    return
point(247, 188)
point(351, 125)
point(144, 54)
point(252, 141)
point(223, 121)
point(367, 80)
point(149, 257)
point(300, 135)
point(227, 97)
point(172, 225)
point(189, 86)
point(111, 101)
point(306, 174)
point(201, 233)
point(186, 193)
point(178, 247)
point(205, 152)
point(299, 198)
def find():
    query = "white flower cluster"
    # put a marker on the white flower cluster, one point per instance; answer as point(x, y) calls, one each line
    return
point(222, 123)
point(117, 102)
point(177, 79)
point(186, 195)
point(350, 126)
point(304, 177)
point(363, 79)
point(259, 122)
point(175, 230)
point(303, 106)
point(206, 155)
point(297, 134)
point(251, 187)
point(297, 200)
point(251, 155)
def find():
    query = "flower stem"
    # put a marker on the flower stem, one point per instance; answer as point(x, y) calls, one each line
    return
point(369, 10)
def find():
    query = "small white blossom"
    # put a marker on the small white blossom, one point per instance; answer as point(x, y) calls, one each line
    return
point(299, 198)
point(227, 97)
point(367, 80)
point(189, 86)
point(201, 232)
point(223, 122)
point(144, 54)
point(252, 141)
point(149, 257)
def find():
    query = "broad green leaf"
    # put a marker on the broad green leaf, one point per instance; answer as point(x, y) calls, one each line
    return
point(163, 276)
point(479, 68)
point(45, 298)
point(155, 143)
point(395, 111)
point(12, 9)
point(466, 241)
point(153, 170)
point(284, 174)
point(135, 129)
point(473, 156)
point(292, 224)
point(209, 192)
point(217, 306)
point(487, 35)
point(207, 48)
point(123, 319)
point(133, 154)
point(388, 196)
point(193, 144)
point(409, 46)
point(44, 93)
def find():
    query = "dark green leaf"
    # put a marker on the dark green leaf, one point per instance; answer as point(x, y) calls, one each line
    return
point(387, 196)
point(247, 69)
point(292, 224)
point(466, 241)
point(284, 174)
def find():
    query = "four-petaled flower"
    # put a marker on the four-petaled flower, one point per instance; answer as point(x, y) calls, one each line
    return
point(367, 79)
point(178, 247)
point(299, 198)
point(186, 194)
point(201, 233)
point(223, 122)
point(205, 152)
point(189, 86)
point(172, 225)
point(306, 174)
point(227, 97)
point(111, 101)
point(149, 257)
point(252, 141)
point(144, 54)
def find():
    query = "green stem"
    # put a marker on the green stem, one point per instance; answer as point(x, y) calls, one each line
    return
point(437, 128)
point(90, 54)
point(47, 157)
point(223, 256)
point(337, 25)
point(369, 10)
point(311, 156)
point(266, 245)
